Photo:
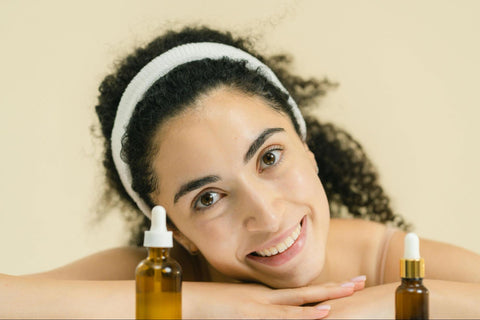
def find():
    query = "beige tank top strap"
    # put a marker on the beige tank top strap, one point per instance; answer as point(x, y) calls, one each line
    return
point(383, 251)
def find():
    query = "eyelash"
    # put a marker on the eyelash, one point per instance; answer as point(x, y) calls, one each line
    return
point(197, 200)
point(277, 159)
point(218, 196)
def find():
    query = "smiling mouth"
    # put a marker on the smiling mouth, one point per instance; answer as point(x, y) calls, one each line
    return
point(283, 251)
point(281, 246)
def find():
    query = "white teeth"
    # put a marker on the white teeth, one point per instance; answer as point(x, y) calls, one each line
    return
point(289, 241)
point(282, 246)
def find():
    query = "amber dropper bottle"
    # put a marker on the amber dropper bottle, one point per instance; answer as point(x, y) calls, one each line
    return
point(158, 278)
point(411, 297)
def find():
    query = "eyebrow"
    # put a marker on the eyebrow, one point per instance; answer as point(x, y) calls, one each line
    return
point(198, 183)
point(194, 184)
point(259, 141)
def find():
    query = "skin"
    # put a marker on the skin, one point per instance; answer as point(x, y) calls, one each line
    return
point(255, 204)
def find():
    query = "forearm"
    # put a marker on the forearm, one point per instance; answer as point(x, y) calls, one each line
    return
point(31, 297)
point(46, 298)
point(447, 299)
point(453, 300)
point(39, 297)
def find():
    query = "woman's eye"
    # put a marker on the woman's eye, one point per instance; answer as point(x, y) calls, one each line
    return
point(206, 200)
point(270, 158)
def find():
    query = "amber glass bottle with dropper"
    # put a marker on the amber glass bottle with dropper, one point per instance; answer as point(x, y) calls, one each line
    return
point(158, 278)
point(411, 297)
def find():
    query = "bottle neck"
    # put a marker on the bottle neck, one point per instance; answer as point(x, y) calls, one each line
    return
point(412, 281)
point(158, 253)
point(412, 268)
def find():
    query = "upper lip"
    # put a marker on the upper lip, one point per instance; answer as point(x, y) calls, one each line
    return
point(278, 239)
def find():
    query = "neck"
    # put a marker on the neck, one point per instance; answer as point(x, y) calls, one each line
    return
point(335, 250)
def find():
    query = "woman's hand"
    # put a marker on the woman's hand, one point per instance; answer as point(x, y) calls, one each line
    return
point(238, 300)
point(372, 303)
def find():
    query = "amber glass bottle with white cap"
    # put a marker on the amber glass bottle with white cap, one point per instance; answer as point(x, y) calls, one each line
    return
point(158, 278)
point(411, 297)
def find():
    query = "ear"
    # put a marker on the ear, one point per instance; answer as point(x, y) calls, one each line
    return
point(183, 240)
point(311, 157)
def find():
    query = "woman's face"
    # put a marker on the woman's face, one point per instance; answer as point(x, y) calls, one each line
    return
point(237, 181)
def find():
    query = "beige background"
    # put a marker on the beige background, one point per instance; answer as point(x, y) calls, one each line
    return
point(408, 71)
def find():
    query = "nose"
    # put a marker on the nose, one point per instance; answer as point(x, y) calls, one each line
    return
point(261, 207)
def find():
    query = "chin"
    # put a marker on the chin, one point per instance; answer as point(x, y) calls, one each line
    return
point(299, 277)
point(291, 282)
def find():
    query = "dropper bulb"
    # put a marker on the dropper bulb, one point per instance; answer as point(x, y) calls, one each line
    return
point(159, 218)
point(158, 236)
point(412, 247)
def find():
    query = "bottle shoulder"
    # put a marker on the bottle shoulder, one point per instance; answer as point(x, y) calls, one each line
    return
point(412, 286)
point(161, 264)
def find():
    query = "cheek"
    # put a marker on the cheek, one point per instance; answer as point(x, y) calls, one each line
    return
point(215, 241)
point(219, 242)
point(301, 185)
point(302, 182)
point(219, 250)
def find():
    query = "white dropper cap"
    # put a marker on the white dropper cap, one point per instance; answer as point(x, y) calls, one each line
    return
point(158, 236)
point(412, 247)
point(412, 266)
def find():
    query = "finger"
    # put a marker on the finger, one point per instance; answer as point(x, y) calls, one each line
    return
point(359, 285)
point(293, 312)
point(359, 282)
point(355, 285)
point(304, 295)
point(331, 284)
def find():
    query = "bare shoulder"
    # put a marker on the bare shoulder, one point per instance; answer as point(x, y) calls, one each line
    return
point(365, 243)
point(358, 233)
point(110, 264)
point(357, 225)
point(440, 259)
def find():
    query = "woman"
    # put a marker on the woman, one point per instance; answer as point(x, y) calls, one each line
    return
point(197, 122)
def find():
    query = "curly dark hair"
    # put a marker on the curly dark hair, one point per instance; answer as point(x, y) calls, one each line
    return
point(349, 178)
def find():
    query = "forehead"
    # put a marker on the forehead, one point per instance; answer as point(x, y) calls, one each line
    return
point(212, 136)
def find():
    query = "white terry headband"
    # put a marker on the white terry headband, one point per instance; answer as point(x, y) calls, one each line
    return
point(158, 68)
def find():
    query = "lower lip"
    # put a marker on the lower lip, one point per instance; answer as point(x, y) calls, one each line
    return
point(287, 255)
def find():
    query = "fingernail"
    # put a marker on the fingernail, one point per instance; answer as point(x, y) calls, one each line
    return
point(323, 307)
point(359, 278)
point(348, 285)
